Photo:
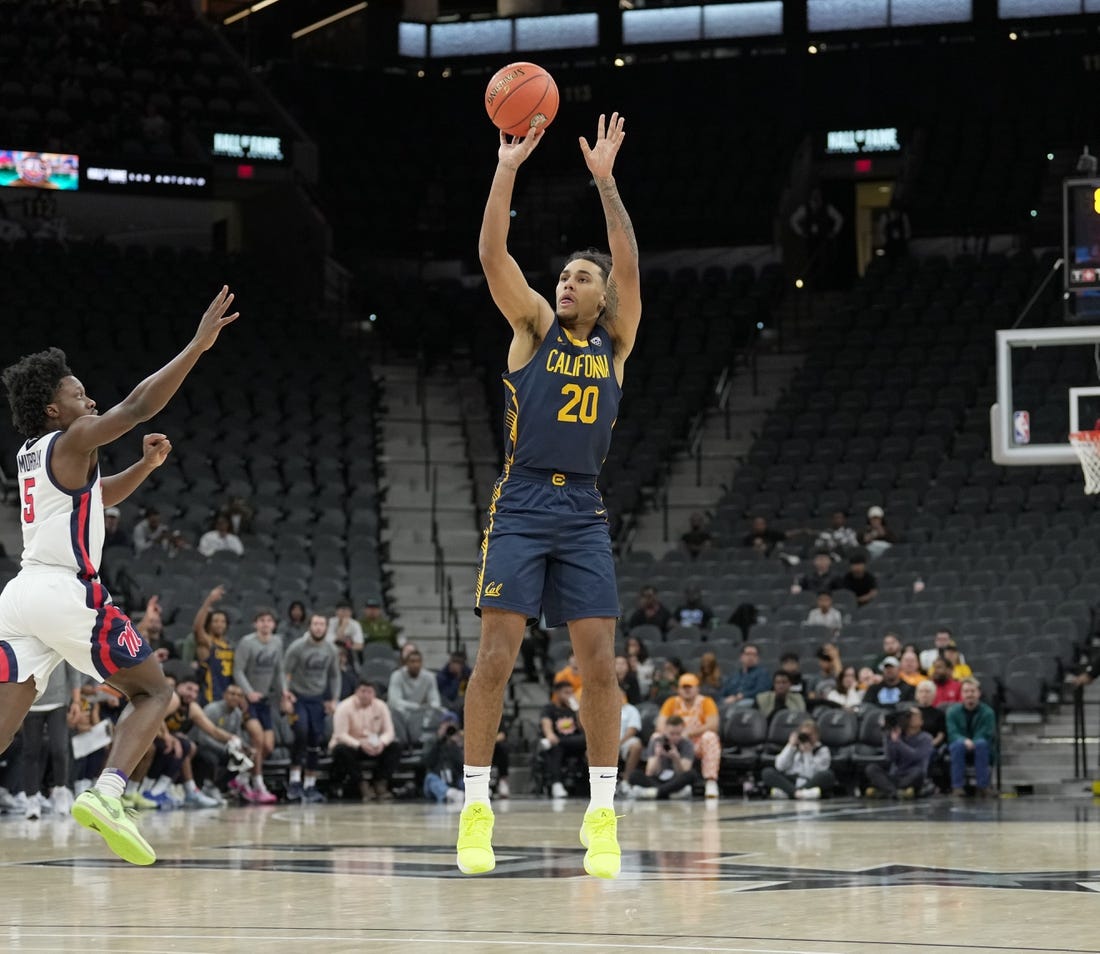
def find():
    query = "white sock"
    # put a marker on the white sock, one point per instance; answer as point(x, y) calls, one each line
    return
point(295, 775)
point(476, 778)
point(162, 785)
point(258, 784)
point(131, 787)
point(190, 787)
point(602, 782)
point(112, 782)
point(311, 781)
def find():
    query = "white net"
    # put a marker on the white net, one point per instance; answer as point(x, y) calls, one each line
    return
point(1087, 445)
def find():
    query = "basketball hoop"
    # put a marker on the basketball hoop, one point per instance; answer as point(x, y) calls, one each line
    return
point(1087, 445)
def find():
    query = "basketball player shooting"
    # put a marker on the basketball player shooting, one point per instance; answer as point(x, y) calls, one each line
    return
point(56, 608)
point(547, 545)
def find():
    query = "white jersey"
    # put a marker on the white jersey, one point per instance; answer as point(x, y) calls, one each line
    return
point(61, 528)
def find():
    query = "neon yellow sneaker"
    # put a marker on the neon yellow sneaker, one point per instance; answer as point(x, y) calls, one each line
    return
point(106, 815)
point(599, 834)
point(138, 801)
point(475, 839)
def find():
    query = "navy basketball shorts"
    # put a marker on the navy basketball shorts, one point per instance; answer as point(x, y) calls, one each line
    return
point(547, 548)
point(261, 712)
point(311, 720)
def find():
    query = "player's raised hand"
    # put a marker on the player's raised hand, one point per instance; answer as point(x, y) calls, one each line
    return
point(215, 318)
point(155, 449)
point(513, 150)
point(600, 158)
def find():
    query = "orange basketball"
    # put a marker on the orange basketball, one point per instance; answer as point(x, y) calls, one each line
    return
point(521, 97)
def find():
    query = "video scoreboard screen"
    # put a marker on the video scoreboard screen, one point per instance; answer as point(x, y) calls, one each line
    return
point(1082, 233)
point(39, 170)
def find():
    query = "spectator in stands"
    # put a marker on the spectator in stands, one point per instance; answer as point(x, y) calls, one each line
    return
point(891, 691)
point(693, 611)
point(258, 670)
point(858, 580)
point(669, 770)
point(818, 223)
point(819, 577)
point(296, 620)
point(971, 737)
point(502, 758)
point(640, 664)
point(948, 688)
point(535, 645)
point(710, 676)
point(762, 538)
point(451, 681)
point(698, 538)
point(891, 646)
point(562, 735)
point(407, 649)
point(443, 777)
point(349, 674)
point(893, 231)
point(935, 724)
point(666, 679)
point(908, 752)
point(213, 651)
point(362, 731)
point(868, 677)
point(82, 719)
point(239, 514)
point(650, 612)
point(829, 668)
point(216, 755)
point(151, 628)
point(846, 693)
point(959, 668)
point(312, 669)
point(149, 531)
point(700, 716)
point(825, 614)
point(113, 534)
point(630, 743)
point(790, 664)
point(839, 540)
point(571, 673)
point(802, 767)
point(413, 687)
point(345, 631)
point(221, 539)
point(742, 687)
point(877, 537)
point(909, 667)
point(628, 680)
point(377, 626)
point(780, 696)
point(939, 643)
point(46, 738)
point(176, 748)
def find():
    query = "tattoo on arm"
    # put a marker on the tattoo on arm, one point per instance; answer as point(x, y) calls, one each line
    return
point(615, 212)
point(611, 308)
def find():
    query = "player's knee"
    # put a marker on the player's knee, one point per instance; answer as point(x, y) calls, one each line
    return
point(493, 665)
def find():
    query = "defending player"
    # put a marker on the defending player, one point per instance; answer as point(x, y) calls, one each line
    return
point(56, 608)
point(547, 543)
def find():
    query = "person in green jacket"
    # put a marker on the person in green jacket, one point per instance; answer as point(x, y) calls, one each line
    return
point(971, 734)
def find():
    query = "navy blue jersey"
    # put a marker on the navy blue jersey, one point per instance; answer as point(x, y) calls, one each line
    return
point(560, 407)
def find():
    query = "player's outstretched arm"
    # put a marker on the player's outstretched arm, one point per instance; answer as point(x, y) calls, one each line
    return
point(154, 451)
point(524, 308)
point(91, 431)
point(624, 284)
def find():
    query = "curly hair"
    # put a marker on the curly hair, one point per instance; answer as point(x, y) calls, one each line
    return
point(32, 383)
point(595, 256)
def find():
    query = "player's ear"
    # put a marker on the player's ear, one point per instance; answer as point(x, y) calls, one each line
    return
point(52, 410)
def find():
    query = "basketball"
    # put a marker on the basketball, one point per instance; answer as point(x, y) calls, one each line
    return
point(521, 97)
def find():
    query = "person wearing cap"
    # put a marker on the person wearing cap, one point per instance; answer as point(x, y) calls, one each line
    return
point(862, 583)
point(113, 534)
point(891, 692)
point(700, 716)
point(376, 626)
point(877, 537)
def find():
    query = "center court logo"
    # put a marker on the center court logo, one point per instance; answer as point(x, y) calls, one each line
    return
point(493, 589)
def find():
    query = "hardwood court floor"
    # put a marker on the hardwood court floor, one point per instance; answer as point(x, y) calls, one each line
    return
point(839, 877)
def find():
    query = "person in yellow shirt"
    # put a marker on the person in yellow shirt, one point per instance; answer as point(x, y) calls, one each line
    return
point(700, 715)
point(571, 674)
point(960, 670)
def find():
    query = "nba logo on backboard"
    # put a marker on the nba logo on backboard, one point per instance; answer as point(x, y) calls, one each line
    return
point(1021, 427)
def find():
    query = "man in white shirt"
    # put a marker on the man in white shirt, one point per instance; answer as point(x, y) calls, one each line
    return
point(149, 531)
point(630, 743)
point(940, 641)
point(343, 630)
point(825, 614)
point(219, 539)
point(413, 687)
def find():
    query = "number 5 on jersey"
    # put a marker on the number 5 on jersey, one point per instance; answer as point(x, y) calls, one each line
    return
point(28, 500)
point(588, 399)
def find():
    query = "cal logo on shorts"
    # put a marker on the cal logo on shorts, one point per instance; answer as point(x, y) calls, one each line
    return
point(493, 589)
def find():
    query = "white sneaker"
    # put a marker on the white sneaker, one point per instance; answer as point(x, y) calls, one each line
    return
point(199, 799)
point(778, 793)
point(33, 809)
point(19, 802)
point(61, 800)
point(808, 794)
point(557, 790)
point(645, 792)
point(454, 796)
point(684, 792)
point(210, 790)
point(625, 788)
point(81, 785)
point(503, 791)
point(7, 801)
point(712, 788)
